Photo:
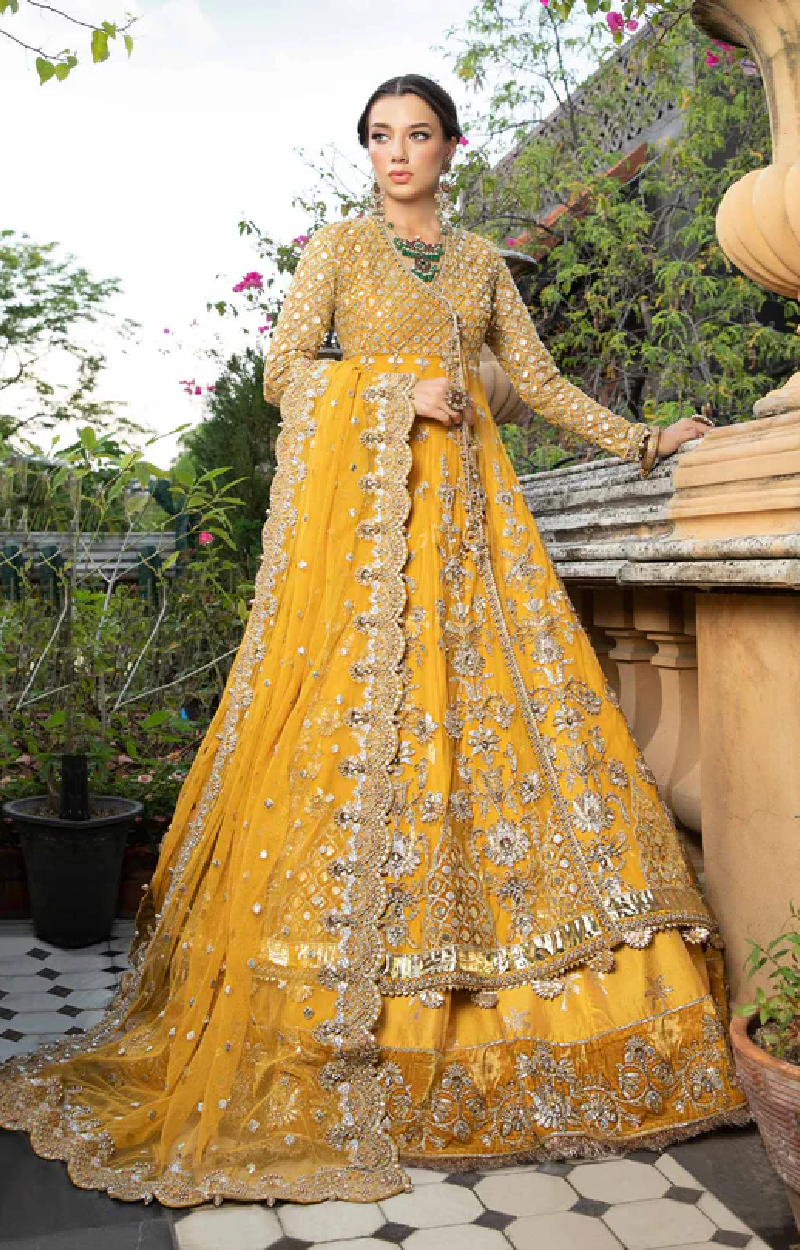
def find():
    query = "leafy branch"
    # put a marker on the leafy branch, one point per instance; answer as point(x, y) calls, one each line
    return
point(60, 65)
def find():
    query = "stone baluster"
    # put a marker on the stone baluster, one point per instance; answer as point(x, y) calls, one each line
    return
point(667, 619)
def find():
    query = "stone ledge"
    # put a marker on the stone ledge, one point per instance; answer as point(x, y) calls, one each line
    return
point(717, 513)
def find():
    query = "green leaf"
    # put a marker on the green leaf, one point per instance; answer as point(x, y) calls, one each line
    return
point(6, 5)
point(55, 720)
point(155, 719)
point(99, 46)
point(62, 70)
point(128, 44)
point(45, 69)
point(110, 28)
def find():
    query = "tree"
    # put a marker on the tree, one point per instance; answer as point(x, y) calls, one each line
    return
point(44, 300)
point(631, 293)
point(59, 65)
point(239, 435)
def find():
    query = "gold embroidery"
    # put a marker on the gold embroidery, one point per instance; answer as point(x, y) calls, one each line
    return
point(386, 702)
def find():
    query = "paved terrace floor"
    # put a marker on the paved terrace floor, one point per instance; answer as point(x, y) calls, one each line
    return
point(718, 1190)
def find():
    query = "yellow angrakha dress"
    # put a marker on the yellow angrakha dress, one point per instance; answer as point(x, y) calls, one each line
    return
point(420, 900)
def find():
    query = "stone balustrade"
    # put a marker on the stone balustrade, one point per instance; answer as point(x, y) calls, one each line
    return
point(688, 585)
point(107, 557)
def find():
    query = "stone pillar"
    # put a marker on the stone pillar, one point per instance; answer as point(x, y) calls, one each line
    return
point(749, 653)
point(745, 480)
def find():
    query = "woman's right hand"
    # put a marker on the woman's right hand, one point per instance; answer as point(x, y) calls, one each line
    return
point(429, 401)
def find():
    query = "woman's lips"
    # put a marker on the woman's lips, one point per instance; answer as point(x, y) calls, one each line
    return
point(398, 176)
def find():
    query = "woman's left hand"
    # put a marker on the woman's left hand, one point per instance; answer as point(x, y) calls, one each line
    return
point(672, 436)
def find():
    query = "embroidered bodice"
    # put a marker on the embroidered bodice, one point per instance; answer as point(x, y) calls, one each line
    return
point(350, 277)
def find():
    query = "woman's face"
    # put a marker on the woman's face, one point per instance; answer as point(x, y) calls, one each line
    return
point(407, 147)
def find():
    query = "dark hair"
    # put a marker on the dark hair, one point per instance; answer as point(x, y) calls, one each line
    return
point(427, 90)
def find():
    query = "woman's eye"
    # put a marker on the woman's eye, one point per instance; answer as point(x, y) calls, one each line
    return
point(420, 134)
point(377, 136)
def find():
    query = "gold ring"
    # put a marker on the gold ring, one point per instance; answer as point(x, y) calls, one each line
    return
point(456, 398)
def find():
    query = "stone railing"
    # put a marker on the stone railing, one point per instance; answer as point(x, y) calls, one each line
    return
point(109, 557)
point(688, 585)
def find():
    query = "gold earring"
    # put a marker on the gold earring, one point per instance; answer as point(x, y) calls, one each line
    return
point(445, 209)
point(378, 204)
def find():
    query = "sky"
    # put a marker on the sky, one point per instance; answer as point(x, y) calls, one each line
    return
point(142, 168)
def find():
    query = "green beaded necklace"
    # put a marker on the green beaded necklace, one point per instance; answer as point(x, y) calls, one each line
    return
point(426, 256)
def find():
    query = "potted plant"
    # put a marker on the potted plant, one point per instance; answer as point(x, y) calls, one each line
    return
point(766, 1046)
point(73, 839)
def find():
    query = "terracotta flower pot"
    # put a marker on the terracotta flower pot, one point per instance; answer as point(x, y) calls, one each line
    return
point(772, 1087)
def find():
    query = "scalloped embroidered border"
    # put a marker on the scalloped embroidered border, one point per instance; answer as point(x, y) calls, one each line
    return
point(358, 1004)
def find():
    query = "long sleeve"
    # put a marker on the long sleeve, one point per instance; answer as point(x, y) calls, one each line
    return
point(305, 316)
point(512, 337)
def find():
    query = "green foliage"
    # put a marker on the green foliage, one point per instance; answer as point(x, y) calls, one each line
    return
point(779, 1010)
point(60, 65)
point(82, 486)
point(44, 301)
point(631, 291)
point(238, 438)
point(144, 702)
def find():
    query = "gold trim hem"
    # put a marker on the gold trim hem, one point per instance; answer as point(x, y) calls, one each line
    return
point(568, 1146)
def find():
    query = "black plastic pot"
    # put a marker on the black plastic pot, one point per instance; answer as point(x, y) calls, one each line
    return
point(73, 866)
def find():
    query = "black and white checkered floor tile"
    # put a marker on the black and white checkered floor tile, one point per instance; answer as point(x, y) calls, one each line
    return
point(646, 1201)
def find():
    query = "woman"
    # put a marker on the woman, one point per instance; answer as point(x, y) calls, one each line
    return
point(420, 900)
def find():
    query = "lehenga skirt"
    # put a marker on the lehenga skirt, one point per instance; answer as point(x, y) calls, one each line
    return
point(420, 900)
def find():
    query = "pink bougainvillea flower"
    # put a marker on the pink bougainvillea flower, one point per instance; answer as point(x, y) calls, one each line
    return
point(166, 331)
point(726, 47)
point(204, 538)
point(263, 329)
point(631, 24)
point(300, 240)
point(615, 21)
point(464, 140)
point(198, 390)
point(512, 242)
point(251, 279)
point(712, 59)
point(212, 387)
point(546, 3)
